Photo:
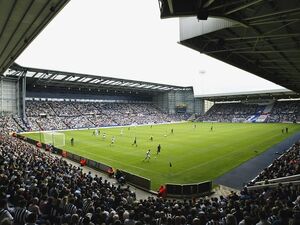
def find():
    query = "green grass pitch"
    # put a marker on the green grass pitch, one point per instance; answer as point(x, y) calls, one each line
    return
point(197, 154)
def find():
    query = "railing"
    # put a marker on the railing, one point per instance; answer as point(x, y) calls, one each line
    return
point(279, 180)
point(272, 185)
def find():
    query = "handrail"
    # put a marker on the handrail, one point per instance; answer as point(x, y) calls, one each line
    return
point(280, 180)
point(273, 185)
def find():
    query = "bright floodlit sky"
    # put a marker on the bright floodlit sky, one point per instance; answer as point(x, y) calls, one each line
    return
point(127, 39)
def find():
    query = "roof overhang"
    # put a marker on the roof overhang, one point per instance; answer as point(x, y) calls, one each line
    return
point(251, 95)
point(258, 36)
point(45, 77)
point(20, 22)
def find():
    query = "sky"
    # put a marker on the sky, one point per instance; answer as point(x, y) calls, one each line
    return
point(127, 39)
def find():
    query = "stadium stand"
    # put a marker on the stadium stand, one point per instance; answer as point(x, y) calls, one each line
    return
point(230, 112)
point(280, 112)
point(58, 115)
point(9, 124)
point(285, 111)
point(286, 165)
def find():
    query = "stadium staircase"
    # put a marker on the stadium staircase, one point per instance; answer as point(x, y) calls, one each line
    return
point(22, 125)
point(91, 121)
point(39, 125)
point(50, 105)
point(74, 106)
point(25, 122)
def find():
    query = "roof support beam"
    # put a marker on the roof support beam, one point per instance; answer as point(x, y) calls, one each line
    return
point(256, 23)
point(225, 5)
point(17, 27)
point(280, 60)
point(264, 36)
point(171, 6)
point(52, 77)
point(226, 50)
point(270, 15)
point(243, 7)
point(208, 3)
point(7, 19)
point(245, 38)
point(270, 51)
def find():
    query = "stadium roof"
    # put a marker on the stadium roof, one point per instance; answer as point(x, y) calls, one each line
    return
point(20, 22)
point(264, 94)
point(45, 77)
point(258, 36)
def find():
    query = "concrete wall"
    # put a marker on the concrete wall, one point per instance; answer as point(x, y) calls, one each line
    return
point(9, 96)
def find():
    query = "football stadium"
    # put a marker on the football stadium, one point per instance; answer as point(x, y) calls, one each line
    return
point(82, 148)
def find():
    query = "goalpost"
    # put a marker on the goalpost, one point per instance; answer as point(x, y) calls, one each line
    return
point(54, 138)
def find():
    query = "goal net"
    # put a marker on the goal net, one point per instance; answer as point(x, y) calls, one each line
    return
point(54, 138)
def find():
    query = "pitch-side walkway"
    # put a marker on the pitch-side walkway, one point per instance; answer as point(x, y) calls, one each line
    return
point(244, 173)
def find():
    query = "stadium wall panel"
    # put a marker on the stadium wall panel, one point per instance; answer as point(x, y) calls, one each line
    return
point(169, 101)
point(199, 106)
point(188, 190)
point(138, 181)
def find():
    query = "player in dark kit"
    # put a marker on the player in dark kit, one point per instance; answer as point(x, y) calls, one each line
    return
point(113, 139)
point(134, 142)
point(158, 149)
point(172, 131)
point(72, 141)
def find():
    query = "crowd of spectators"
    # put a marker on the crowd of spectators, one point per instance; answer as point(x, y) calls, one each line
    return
point(230, 112)
point(88, 108)
point(9, 124)
point(282, 112)
point(72, 115)
point(78, 122)
point(38, 188)
point(286, 165)
point(62, 108)
point(37, 108)
point(20, 123)
point(285, 111)
point(51, 123)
